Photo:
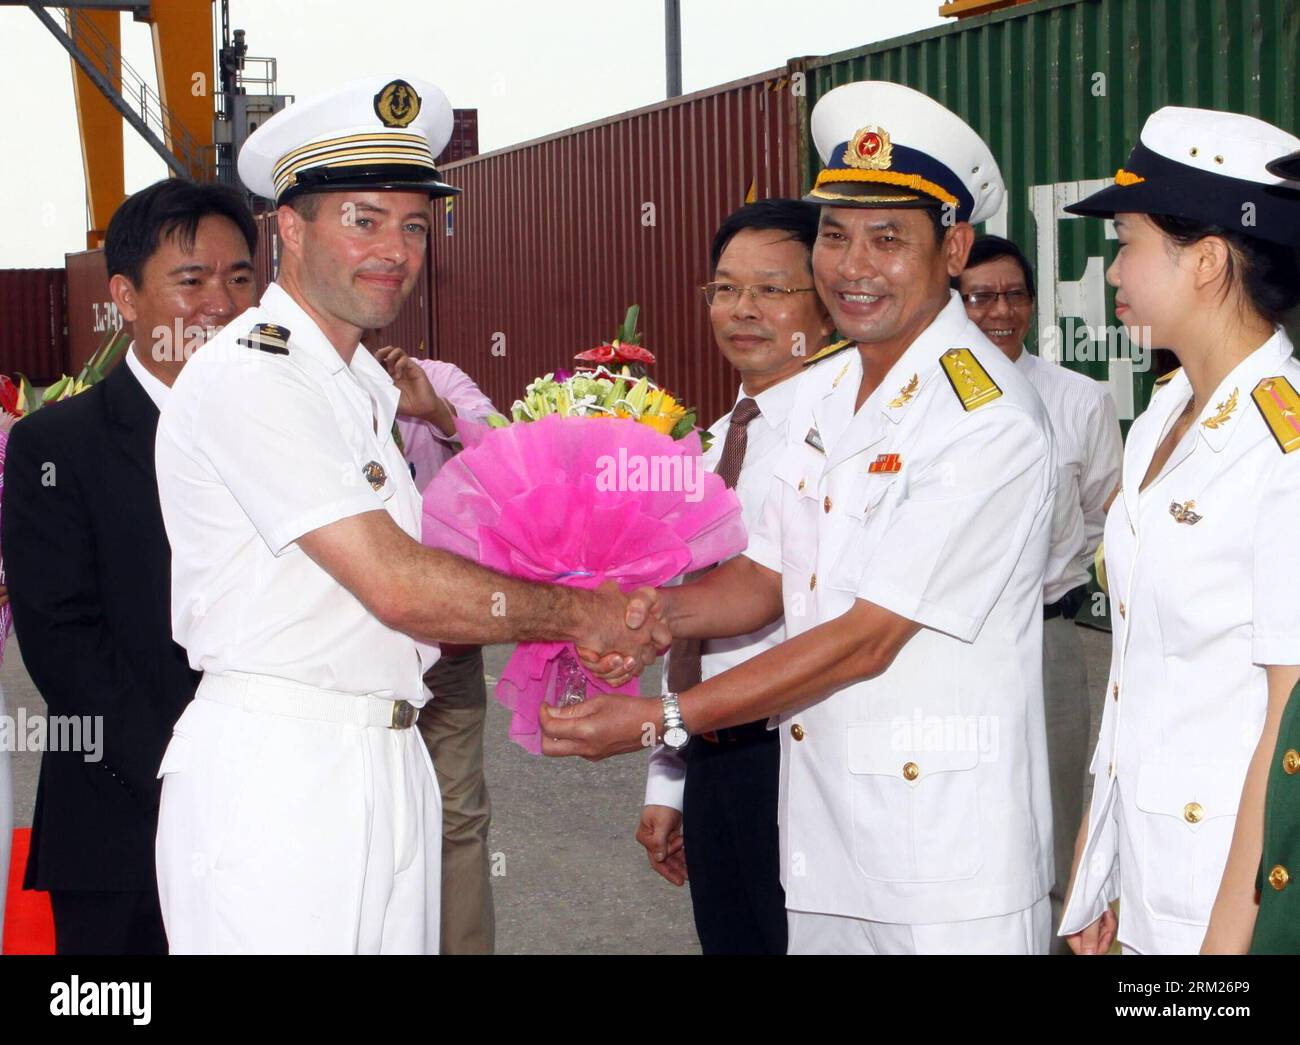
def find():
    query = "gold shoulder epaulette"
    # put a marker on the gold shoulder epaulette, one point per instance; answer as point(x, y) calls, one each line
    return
point(1164, 379)
point(1279, 405)
point(268, 338)
point(969, 380)
point(829, 351)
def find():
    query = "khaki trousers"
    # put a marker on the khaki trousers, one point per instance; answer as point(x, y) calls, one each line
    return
point(1068, 706)
point(452, 727)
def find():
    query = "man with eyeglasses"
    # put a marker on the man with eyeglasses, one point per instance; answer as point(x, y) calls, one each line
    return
point(997, 287)
point(721, 792)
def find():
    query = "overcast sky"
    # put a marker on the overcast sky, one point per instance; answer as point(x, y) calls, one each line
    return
point(529, 68)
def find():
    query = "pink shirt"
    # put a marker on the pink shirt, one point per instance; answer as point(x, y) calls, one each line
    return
point(427, 449)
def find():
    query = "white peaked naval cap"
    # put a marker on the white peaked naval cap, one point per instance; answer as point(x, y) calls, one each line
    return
point(886, 145)
point(380, 132)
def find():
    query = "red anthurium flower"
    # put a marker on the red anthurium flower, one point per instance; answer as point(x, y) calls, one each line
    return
point(617, 352)
point(603, 354)
point(633, 354)
point(9, 396)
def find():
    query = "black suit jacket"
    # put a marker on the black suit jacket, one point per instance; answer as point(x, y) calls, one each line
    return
point(89, 573)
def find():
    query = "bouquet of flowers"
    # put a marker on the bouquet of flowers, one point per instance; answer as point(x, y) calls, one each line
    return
point(19, 399)
point(611, 382)
point(599, 478)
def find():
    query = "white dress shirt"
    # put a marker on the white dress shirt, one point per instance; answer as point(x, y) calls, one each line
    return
point(765, 440)
point(254, 450)
point(1088, 452)
point(1202, 567)
point(154, 388)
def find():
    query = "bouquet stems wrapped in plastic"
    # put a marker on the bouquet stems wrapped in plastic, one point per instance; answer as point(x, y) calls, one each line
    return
point(577, 501)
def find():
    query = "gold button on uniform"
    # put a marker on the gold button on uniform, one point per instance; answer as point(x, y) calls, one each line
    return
point(1192, 812)
point(1114, 690)
point(796, 731)
point(1121, 610)
point(1278, 877)
point(802, 484)
point(911, 771)
point(826, 505)
point(812, 582)
point(1291, 762)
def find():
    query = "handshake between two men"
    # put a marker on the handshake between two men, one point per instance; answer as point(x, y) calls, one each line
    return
point(738, 597)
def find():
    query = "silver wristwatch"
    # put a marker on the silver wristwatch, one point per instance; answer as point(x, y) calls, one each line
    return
point(675, 732)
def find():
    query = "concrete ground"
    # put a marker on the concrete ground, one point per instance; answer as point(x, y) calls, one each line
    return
point(572, 880)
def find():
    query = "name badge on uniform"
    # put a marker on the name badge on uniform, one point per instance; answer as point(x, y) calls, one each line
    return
point(375, 475)
point(814, 439)
point(885, 464)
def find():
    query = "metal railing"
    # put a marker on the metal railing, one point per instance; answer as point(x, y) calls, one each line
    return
point(131, 95)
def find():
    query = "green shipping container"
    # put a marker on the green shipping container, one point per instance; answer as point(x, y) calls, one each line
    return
point(1060, 90)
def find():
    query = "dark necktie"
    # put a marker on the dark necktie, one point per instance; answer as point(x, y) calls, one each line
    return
point(684, 657)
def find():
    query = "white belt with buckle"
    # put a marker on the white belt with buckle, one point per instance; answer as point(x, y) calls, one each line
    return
point(278, 696)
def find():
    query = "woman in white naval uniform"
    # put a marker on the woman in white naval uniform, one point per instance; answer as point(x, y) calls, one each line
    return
point(1199, 540)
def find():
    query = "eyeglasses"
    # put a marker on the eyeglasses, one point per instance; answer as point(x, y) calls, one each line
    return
point(1018, 298)
point(729, 293)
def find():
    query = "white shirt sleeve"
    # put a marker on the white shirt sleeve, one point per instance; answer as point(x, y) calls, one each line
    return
point(666, 778)
point(274, 440)
point(1101, 471)
point(952, 543)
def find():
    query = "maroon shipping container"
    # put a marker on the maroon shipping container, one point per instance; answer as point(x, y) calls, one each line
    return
point(91, 312)
point(464, 138)
point(33, 323)
point(266, 259)
point(553, 239)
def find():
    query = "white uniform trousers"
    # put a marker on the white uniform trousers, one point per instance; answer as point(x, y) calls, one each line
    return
point(293, 822)
point(1022, 932)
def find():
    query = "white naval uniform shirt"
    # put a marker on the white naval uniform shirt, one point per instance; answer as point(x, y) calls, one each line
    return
point(253, 451)
point(920, 795)
point(1088, 453)
point(766, 437)
point(1198, 610)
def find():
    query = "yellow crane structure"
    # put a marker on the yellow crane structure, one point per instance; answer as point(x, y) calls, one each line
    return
point(182, 51)
point(197, 118)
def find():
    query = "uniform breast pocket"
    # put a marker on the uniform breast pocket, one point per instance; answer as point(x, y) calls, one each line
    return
point(853, 527)
point(916, 808)
point(797, 476)
point(1187, 815)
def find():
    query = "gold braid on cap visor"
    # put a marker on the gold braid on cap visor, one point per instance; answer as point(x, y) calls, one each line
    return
point(353, 150)
point(906, 181)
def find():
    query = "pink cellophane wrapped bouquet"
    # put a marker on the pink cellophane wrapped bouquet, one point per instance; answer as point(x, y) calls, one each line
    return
point(582, 489)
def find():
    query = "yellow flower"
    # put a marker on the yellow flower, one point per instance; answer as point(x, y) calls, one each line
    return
point(659, 422)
